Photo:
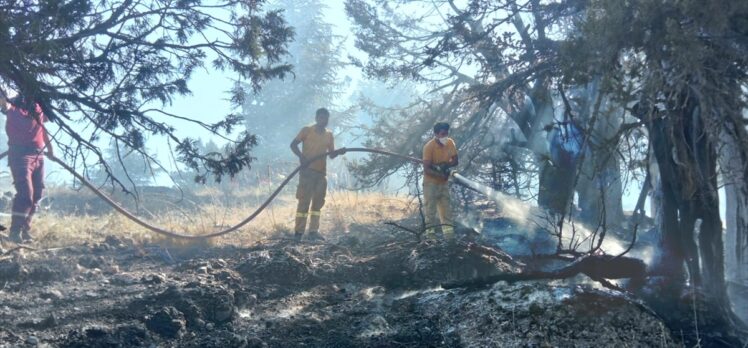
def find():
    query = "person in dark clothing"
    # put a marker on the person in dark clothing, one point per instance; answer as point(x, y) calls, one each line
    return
point(27, 139)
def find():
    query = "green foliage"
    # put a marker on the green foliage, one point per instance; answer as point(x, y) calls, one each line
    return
point(656, 45)
point(191, 178)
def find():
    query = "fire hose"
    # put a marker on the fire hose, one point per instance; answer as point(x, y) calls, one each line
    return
point(233, 228)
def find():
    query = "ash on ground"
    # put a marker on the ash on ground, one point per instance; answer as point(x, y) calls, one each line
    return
point(365, 288)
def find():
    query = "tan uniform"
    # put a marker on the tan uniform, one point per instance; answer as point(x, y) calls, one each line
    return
point(312, 179)
point(436, 189)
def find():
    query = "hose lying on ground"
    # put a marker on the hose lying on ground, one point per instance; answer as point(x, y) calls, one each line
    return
point(233, 228)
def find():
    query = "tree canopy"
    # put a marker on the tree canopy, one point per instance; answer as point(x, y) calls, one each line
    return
point(104, 69)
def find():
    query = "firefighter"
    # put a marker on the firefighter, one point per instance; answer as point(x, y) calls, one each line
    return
point(27, 139)
point(315, 140)
point(439, 156)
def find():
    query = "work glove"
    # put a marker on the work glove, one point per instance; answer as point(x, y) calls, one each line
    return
point(338, 152)
point(442, 169)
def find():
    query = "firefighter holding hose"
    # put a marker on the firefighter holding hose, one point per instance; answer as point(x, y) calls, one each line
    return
point(315, 140)
point(439, 156)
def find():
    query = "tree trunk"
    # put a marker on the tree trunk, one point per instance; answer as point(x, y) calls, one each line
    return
point(601, 191)
point(556, 187)
point(687, 161)
point(733, 166)
point(599, 185)
point(672, 256)
point(655, 193)
point(555, 182)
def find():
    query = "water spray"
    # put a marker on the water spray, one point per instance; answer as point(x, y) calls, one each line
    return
point(514, 209)
point(532, 218)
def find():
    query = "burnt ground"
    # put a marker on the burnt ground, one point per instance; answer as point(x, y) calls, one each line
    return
point(367, 288)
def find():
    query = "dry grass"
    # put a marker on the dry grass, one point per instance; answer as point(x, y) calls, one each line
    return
point(342, 209)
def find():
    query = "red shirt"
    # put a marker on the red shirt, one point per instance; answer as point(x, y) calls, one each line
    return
point(23, 128)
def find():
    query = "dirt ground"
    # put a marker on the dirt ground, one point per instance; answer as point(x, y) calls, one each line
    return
point(366, 288)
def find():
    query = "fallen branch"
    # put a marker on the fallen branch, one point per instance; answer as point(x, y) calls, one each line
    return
point(17, 248)
point(594, 266)
point(407, 229)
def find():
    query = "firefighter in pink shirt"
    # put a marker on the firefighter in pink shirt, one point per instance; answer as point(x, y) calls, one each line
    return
point(27, 139)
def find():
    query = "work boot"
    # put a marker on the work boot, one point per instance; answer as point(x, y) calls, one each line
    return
point(429, 234)
point(26, 237)
point(15, 237)
point(297, 236)
point(315, 236)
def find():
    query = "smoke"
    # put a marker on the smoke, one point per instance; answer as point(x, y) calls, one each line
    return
point(529, 230)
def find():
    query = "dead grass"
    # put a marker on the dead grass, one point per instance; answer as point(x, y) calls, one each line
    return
point(342, 209)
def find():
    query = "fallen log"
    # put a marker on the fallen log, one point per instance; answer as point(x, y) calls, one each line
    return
point(594, 266)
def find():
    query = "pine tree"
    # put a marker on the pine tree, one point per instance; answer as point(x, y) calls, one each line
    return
point(284, 106)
